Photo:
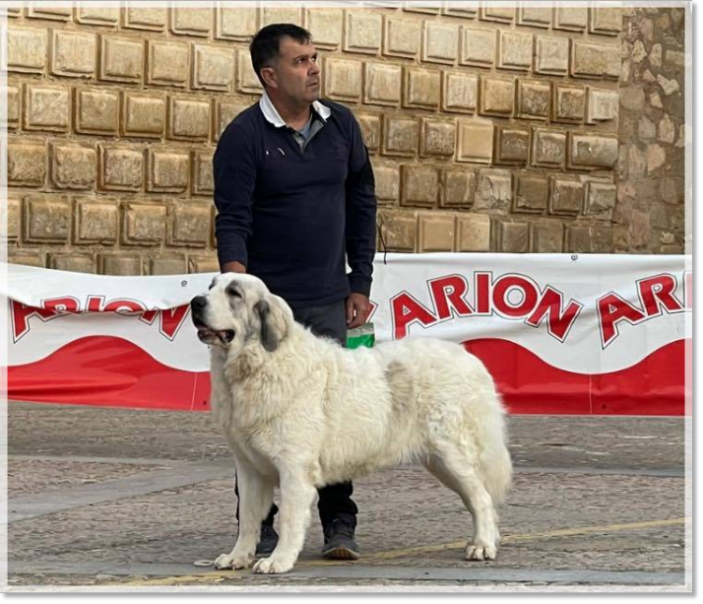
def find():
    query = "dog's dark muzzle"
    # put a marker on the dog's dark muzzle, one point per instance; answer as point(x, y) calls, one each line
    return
point(205, 333)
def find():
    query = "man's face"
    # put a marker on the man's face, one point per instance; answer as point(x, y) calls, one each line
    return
point(296, 72)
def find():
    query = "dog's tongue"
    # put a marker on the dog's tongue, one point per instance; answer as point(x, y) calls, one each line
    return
point(224, 335)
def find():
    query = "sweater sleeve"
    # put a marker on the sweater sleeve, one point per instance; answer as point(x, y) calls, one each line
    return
point(360, 214)
point(234, 171)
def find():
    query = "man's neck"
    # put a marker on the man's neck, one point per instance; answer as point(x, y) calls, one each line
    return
point(294, 116)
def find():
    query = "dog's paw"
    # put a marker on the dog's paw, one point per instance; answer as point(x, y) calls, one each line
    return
point(272, 566)
point(233, 562)
point(481, 552)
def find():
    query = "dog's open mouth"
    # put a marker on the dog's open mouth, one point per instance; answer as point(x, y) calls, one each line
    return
point(210, 336)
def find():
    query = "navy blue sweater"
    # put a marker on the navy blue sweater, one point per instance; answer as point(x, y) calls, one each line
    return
point(290, 215)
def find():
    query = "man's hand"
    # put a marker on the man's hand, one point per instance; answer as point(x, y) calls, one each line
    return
point(358, 308)
point(234, 267)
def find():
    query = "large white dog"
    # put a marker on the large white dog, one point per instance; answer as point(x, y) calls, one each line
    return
point(301, 412)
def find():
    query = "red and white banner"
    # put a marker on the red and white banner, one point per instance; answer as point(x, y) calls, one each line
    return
point(587, 334)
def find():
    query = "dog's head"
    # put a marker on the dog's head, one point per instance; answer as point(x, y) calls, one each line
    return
point(239, 309)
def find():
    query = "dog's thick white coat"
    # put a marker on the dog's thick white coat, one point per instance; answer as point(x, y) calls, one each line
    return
point(300, 412)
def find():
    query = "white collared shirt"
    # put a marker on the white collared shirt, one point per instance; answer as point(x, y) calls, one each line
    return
point(272, 116)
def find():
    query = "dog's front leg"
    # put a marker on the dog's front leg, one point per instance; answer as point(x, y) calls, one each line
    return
point(297, 494)
point(255, 498)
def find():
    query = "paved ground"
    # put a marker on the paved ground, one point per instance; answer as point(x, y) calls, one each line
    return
point(126, 498)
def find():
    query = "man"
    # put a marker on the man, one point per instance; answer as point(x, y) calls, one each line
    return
point(294, 190)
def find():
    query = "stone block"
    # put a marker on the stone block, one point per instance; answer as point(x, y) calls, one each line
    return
point(666, 130)
point(590, 151)
point(512, 145)
point(475, 142)
point(547, 237)
point(46, 219)
point(149, 19)
point(497, 14)
point(382, 84)
point(494, 190)
point(435, 232)
point(401, 136)
point(73, 263)
point(73, 166)
point(191, 21)
point(342, 81)
point(207, 264)
point(656, 158)
point(497, 96)
point(73, 53)
point(13, 221)
point(24, 258)
point(247, 80)
point(458, 188)
point(26, 163)
point(27, 49)
point(515, 50)
point(14, 106)
point(326, 26)
point(168, 63)
point(548, 149)
point(189, 225)
point(398, 230)
point(235, 23)
point(168, 266)
point(419, 185)
point(566, 196)
point(144, 115)
point(121, 59)
point(514, 237)
point(203, 179)
point(463, 12)
point(96, 111)
point(600, 198)
point(213, 68)
point(415, 8)
point(12, 11)
point(437, 137)
point(188, 118)
point(95, 15)
point(168, 170)
point(569, 104)
point(402, 37)
point(280, 14)
point(533, 100)
point(51, 13)
point(421, 88)
point(603, 105)
point(363, 31)
point(591, 60)
point(225, 112)
point(143, 224)
point(120, 168)
point(478, 47)
point(371, 131)
point(121, 265)
point(571, 18)
point(532, 16)
point(552, 55)
point(96, 221)
point(459, 92)
point(387, 183)
point(532, 194)
point(578, 239)
point(605, 20)
point(473, 233)
point(440, 42)
point(602, 239)
point(46, 108)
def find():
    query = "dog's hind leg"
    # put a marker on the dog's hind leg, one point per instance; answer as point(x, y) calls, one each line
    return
point(255, 499)
point(297, 494)
point(456, 471)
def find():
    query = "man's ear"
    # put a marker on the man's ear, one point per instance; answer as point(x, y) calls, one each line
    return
point(273, 325)
point(268, 75)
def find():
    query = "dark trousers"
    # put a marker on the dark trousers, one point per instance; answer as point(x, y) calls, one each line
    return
point(334, 500)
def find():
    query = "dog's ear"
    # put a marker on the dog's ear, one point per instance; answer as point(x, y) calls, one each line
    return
point(273, 325)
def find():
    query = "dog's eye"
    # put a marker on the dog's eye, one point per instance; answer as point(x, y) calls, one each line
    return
point(233, 291)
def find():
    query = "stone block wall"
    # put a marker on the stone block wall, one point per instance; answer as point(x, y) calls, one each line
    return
point(491, 128)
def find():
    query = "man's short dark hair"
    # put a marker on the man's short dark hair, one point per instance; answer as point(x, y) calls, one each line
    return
point(265, 45)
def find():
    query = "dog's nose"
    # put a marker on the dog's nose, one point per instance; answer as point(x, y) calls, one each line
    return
point(198, 303)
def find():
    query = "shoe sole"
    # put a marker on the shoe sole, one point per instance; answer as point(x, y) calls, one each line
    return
point(340, 553)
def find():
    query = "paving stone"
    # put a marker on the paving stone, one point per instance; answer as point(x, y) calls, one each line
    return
point(548, 148)
point(497, 96)
point(494, 190)
point(566, 196)
point(46, 108)
point(149, 19)
point(27, 49)
point(326, 26)
point(168, 170)
point(587, 151)
point(188, 118)
point(191, 21)
point(606, 21)
point(603, 105)
point(552, 55)
point(569, 104)
point(73, 53)
point(458, 187)
point(342, 79)
point(144, 115)
point(514, 237)
point(189, 225)
point(533, 100)
point(419, 185)
point(515, 50)
point(440, 42)
point(247, 80)
point(280, 14)
point(94, 15)
point(121, 168)
point(533, 16)
point(96, 221)
point(74, 263)
point(421, 88)
point(512, 145)
point(547, 237)
point(570, 18)
point(96, 111)
point(120, 265)
point(46, 219)
point(399, 230)
point(143, 224)
point(437, 137)
point(387, 178)
point(402, 37)
point(532, 194)
point(382, 84)
point(497, 14)
point(478, 47)
point(26, 163)
point(237, 23)
point(460, 92)
point(213, 68)
point(168, 63)
point(473, 233)
point(363, 32)
point(371, 131)
point(73, 166)
point(121, 59)
point(400, 135)
point(475, 141)
point(435, 233)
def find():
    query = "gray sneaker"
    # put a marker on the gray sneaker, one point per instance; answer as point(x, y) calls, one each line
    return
point(339, 541)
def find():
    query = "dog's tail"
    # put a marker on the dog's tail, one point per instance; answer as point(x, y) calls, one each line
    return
point(495, 463)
